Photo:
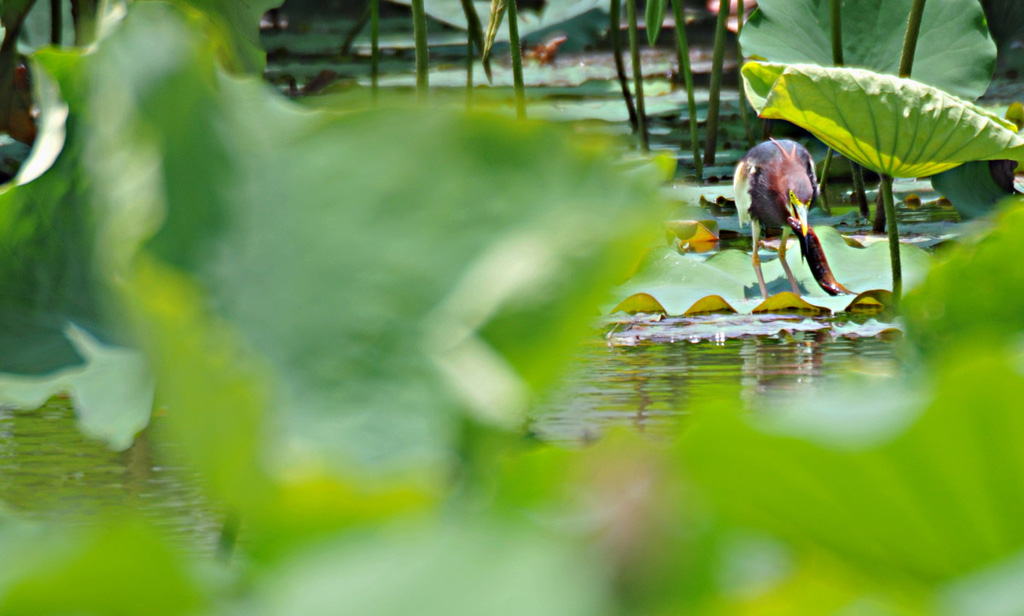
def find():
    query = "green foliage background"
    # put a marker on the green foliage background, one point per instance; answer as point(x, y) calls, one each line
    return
point(346, 313)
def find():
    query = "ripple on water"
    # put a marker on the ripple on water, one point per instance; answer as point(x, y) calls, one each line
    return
point(653, 387)
point(50, 470)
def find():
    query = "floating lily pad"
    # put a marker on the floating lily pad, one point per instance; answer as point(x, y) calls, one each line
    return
point(678, 281)
point(712, 304)
point(788, 302)
point(639, 302)
point(693, 230)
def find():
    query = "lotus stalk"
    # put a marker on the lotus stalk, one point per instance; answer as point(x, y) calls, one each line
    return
point(683, 51)
point(374, 47)
point(910, 40)
point(714, 97)
point(469, 70)
point(615, 32)
point(517, 60)
point(56, 23)
point(419, 25)
point(894, 242)
point(638, 76)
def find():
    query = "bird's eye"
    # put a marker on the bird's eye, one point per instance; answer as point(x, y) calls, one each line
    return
point(793, 201)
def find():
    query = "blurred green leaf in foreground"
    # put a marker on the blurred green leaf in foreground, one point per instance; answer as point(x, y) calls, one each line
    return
point(347, 312)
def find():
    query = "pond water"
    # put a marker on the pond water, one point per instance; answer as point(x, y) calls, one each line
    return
point(49, 469)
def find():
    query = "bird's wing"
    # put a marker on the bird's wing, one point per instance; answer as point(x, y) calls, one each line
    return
point(741, 188)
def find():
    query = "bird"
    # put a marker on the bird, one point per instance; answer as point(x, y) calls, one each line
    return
point(775, 185)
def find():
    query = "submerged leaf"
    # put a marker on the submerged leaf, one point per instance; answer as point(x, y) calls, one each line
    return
point(895, 126)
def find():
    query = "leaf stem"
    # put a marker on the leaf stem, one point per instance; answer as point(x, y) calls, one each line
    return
point(615, 32)
point(419, 26)
point(894, 243)
point(683, 51)
point(714, 97)
point(910, 40)
point(836, 13)
point(638, 76)
point(350, 38)
point(517, 60)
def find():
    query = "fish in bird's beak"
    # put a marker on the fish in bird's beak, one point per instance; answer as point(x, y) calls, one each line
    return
point(810, 247)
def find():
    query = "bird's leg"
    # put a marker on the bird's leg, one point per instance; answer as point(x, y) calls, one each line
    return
point(782, 258)
point(756, 233)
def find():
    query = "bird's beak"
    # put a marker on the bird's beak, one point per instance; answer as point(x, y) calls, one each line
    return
point(801, 215)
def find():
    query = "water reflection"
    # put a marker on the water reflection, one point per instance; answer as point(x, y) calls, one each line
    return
point(654, 386)
point(48, 469)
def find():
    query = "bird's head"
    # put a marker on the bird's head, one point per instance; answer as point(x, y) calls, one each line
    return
point(798, 209)
point(793, 178)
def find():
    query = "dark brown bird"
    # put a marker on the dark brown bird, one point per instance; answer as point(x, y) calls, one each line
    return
point(775, 185)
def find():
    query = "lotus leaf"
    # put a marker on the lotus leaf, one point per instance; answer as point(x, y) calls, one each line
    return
point(875, 484)
point(639, 302)
point(973, 188)
point(116, 567)
point(974, 294)
point(788, 302)
point(235, 28)
point(954, 53)
point(712, 304)
point(871, 302)
point(693, 230)
point(895, 126)
point(678, 281)
point(449, 303)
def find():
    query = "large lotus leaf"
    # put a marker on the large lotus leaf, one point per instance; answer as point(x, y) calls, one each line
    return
point(974, 295)
point(954, 53)
point(235, 27)
point(117, 566)
point(393, 267)
point(895, 126)
point(439, 570)
point(112, 391)
point(904, 496)
point(1005, 19)
point(677, 282)
point(973, 189)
